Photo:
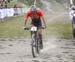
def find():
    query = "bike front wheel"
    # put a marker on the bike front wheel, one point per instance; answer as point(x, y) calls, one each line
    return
point(35, 47)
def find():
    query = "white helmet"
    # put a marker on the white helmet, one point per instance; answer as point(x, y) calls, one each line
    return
point(33, 8)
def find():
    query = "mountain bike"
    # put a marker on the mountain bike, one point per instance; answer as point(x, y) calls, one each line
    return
point(35, 41)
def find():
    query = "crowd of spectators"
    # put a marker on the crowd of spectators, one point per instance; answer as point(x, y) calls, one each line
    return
point(3, 3)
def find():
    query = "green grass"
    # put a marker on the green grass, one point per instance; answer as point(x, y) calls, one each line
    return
point(60, 27)
point(13, 28)
point(60, 30)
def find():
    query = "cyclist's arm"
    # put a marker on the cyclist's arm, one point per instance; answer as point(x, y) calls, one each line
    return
point(44, 21)
point(26, 18)
point(42, 16)
point(25, 21)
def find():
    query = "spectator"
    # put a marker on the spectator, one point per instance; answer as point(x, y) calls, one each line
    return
point(5, 1)
point(1, 1)
point(15, 9)
point(16, 6)
point(6, 6)
point(8, 1)
point(1, 6)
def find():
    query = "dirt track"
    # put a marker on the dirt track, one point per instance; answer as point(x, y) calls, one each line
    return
point(55, 50)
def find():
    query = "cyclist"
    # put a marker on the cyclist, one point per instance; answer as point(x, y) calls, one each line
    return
point(72, 16)
point(36, 15)
point(72, 12)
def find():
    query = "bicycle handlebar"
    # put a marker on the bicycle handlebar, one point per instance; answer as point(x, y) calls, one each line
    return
point(43, 27)
point(28, 28)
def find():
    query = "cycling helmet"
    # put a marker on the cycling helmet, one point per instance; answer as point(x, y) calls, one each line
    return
point(33, 8)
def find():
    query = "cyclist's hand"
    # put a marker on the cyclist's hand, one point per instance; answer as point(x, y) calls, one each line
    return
point(24, 28)
point(44, 27)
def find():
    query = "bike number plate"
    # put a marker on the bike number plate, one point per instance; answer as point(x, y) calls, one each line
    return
point(34, 28)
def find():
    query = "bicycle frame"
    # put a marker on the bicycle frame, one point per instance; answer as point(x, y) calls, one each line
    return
point(35, 41)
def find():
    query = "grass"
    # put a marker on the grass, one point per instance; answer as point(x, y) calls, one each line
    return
point(60, 27)
point(13, 28)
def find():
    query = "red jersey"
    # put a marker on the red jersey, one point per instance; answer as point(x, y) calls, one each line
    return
point(38, 14)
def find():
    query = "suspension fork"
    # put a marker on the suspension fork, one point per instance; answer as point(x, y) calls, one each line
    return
point(35, 34)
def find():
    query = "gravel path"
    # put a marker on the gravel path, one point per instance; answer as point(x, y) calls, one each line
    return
point(55, 50)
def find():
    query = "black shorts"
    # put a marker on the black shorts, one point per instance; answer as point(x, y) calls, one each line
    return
point(37, 22)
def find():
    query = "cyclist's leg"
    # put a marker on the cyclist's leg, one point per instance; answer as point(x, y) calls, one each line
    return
point(40, 36)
